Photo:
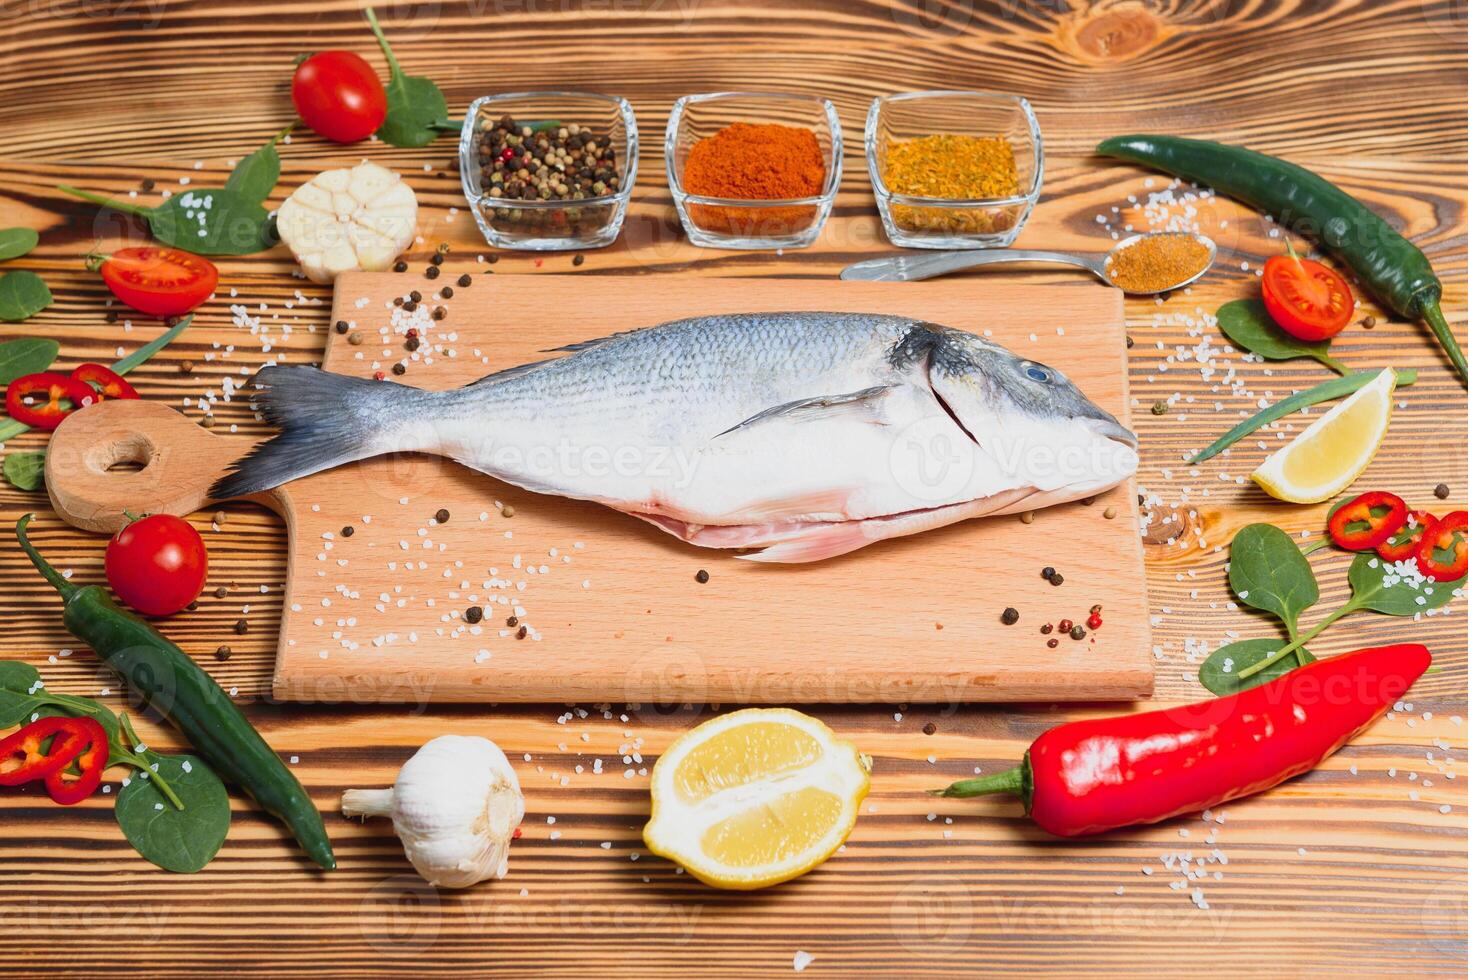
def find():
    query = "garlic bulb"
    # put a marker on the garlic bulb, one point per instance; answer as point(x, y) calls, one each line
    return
point(358, 218)
point(455, 806)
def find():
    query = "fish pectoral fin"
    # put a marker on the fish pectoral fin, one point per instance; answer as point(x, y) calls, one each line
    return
point(863, 402)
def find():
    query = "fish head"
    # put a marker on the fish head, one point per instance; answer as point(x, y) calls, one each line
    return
point(1029, 416)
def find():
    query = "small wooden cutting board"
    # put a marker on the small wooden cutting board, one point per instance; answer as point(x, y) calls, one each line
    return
point(611, 609)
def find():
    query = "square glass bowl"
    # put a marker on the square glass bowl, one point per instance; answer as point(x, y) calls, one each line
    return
point(935, 222)
point(543, 225)
point(720, 222)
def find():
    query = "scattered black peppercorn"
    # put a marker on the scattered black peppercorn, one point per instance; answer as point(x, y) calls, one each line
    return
point(578, 260)
point(464, 280)
point(240, 626)
point(473, 614)
point(1047, 628)
point(1129, 343)
point(411, 344)
point(431, 272)
point(702, 576)
point(1159, 408)
point(1057, 579)
point(1440, 491)
point(1048, 572)
point(1009, 617)
point(513, 621)
point(1369, 322)
point(492, 260)
point(447, 292)
point(192, 606)
point(221, 592)
point(409, 306)
point(348, 531)
point(522, 632)
point(223, 653)
point(400, 368)
point(930, 729)
point(442, 516)
point(1078, 633)
point(400, 266)
point(147, 184)
point(341, 326)
point(436, 258)
point(439, 312)
point(415, 296)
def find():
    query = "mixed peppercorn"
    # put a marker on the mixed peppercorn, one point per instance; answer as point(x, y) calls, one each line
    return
point(546, 162)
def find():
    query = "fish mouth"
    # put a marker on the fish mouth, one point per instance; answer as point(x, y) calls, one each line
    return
point(1115, 431)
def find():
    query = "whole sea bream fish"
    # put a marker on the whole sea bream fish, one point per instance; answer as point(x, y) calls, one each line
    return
point(802, 435)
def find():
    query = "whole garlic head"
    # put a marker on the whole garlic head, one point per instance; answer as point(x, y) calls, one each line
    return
point(455, 806)
point(357, 218)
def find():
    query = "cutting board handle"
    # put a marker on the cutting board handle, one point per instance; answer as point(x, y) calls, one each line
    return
point(173, 463)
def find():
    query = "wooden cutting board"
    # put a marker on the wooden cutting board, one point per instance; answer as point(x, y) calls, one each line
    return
point(611, 606)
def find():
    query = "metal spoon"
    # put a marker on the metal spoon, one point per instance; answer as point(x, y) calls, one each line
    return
point(914, 266)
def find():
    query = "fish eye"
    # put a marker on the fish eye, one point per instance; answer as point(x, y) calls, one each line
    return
point(1037, 373)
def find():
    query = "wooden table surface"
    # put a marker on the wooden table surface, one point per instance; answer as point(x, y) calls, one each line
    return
point(1360, 866)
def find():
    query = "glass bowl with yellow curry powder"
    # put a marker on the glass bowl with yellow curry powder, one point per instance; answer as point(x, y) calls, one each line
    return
point(954, 169)
point(753, 169)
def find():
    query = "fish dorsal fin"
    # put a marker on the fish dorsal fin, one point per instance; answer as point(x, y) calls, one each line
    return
point(863, 402)
point(519, 370)
point(511, 373)
point(582, 345)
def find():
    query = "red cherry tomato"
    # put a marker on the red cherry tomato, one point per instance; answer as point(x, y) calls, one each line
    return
point(339, 96)
point(1401, 545)
point(1307, 299)
point(37, 400)
point(109, 383)
point(159, 281)
point(1442, 554)
point(157, 564)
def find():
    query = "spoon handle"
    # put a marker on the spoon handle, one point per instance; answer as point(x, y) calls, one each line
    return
point(910, 268)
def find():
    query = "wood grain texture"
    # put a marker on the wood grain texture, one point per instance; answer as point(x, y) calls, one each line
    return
point(1353, 868)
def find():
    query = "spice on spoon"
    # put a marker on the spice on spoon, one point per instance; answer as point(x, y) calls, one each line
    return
point(1156, 262)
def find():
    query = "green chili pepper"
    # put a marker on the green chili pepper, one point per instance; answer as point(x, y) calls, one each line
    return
point(189, 698)
point(1393, 269)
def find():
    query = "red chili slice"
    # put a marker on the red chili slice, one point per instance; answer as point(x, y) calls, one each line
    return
point(105, 380)
point(55, 387)
point(1401, 544)
point(1442, 554)
point(67, 738)
point(91, 761)
point(1368, 520)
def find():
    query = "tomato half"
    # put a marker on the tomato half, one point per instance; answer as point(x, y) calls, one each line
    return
point(1442, 554)
point(157, 564)
point(159, 281)
point(1401, 544)
point(1364, 522)
point(339, 96)
point(107, 382)
point(1307, 299)
point(37, 400)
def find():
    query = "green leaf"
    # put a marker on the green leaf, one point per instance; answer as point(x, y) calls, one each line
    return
point(1248, 325)
point(17, 703)
point(256, 175)
point(1267, 571)
point(176, 840)
point(26, 356)
point(26, 471)
point(15, 242)
point(75, 707)
point(231, 223)
point(22, 293)
point(1374, 586)
point(416, 109)
point(1220, 672)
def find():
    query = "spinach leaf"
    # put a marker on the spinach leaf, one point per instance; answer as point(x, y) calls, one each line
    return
point(416, 109)
point(1375, 587)
point(17, 703)
point(1220, 672)
point(26, 471)
point(1247, 324)
point(22, 293)
point(206, 222)
point(1267, 571)
point(176, 840)
point(256, 175)
point(26, 356)
point(15, 242)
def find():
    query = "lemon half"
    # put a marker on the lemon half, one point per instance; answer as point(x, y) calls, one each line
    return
point(756, 797)
point(1328, 456)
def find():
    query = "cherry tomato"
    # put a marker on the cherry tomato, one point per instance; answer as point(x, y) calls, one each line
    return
point(1401, 545)
point(1307, 299)
point(109, 383)
point(1362, 523)
point(159, 281)
point(52, 386)
point(339, 96)
point(157, 564)
point(1442, 554)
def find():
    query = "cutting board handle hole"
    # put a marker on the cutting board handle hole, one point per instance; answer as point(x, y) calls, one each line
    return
point(129, 452)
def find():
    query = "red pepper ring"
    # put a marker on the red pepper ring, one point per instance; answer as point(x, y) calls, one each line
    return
point(57, 388)
point(67, 737)
point(91, 760)
point(105, 380)
point(1368, 520)
point(1449, 535)
point(1401, 544)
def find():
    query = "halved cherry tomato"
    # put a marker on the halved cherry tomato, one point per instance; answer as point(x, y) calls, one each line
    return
point(339, 96)
point(109, 383)
point(55, 387)
point(159, 281)
point(1442, 554)
point(1307, 299)
point(1366, 521)
point(1401, 544)
point(157, 564)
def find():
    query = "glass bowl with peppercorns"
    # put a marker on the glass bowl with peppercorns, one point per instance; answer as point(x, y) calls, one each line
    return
point(954, 169)
point(549, 170)
point(753, 169)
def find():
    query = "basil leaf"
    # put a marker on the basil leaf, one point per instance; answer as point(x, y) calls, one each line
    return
point(22, 293)
point(176, 840)
point(26, 356)
point(1220, 672)
point(1267, 571)
point(1375, 586)
point(1247, 323)
point(17, 704)
point(15, 242)
point(212, 222)
point(416, 109)
point(26, 471)
point(256, 175)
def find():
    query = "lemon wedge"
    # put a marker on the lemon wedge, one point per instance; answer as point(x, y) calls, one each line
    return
point(1328, 456)
point(756, 797)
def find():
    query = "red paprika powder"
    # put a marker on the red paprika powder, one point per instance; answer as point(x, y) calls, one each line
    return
point(755, 162)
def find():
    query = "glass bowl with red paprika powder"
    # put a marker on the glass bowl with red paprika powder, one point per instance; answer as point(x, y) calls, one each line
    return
point(753, 169)
point(548, 170)
point(954, 169)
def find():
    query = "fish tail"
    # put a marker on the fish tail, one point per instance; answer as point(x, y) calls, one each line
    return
point(325, 420)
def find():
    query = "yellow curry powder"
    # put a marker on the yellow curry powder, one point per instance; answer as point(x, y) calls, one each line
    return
point(1157, 262)
point(954, 168)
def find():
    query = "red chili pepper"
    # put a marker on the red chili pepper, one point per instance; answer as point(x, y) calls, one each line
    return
point(105, 380)
point(1401, 545)
point(91, 760)
point(1087, 777)
point(56, 387)
point(79, 740)
point(1368, 520)
point(1448, 535)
